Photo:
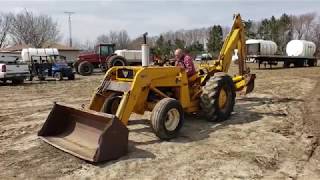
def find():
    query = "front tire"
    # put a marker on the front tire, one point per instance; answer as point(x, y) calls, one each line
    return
point(76, 67)
point(167, 118)
point(111, 104)
point(218, 97)
point(58, 76)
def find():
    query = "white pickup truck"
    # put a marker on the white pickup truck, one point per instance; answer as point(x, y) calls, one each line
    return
point(13, 70)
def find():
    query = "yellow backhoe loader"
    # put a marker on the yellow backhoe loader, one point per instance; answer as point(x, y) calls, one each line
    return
point(99, 133)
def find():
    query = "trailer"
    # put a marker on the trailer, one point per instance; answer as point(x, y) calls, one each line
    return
point(299, 53)
point(272, 60)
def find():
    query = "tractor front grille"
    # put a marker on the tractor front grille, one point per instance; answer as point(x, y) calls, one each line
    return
point(125, 73)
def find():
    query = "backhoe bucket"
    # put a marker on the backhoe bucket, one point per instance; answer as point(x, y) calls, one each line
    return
point(87, 134)
point(249, 83)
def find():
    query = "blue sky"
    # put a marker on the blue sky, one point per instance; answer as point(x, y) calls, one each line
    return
point(93, 18)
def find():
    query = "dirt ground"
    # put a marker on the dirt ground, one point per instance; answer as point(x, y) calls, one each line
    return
point(272, 134)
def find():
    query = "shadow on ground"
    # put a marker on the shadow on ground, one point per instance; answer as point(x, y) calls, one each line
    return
point(197, 128)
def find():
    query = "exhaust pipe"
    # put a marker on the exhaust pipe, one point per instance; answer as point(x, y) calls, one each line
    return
point(145, 51)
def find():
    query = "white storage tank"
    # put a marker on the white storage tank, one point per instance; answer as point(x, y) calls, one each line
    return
point(301, 48)
point(261, 47)
point(28, 52)
point(235, 57)
point(130, 55)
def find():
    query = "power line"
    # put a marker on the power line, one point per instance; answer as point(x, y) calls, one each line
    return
point(69, 13)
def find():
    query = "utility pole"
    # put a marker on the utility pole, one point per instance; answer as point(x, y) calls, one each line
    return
point(70, 37)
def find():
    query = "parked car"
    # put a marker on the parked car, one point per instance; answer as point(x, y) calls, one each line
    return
point(198, 58)
point(205, 56)
point(54, 66)
point(13, 70)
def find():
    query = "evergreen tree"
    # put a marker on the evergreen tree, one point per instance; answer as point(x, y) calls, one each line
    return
point(215, 40)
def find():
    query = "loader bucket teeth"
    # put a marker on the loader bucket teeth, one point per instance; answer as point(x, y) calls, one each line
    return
point(87, 134)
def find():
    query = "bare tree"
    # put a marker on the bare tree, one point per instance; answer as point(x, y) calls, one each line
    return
point(225, 31)
point(316, 36)
point(37, 31)
point(188, 36)
point(120, 38)
point(136, 43)
point(123, 39)
point(5, 22)
point(113, 37)
point(302, 25)
point(103, 39)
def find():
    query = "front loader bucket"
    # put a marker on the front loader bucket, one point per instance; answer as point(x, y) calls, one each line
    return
point(87, 134)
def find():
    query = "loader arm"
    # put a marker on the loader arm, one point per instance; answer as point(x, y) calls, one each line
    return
point(234, 40)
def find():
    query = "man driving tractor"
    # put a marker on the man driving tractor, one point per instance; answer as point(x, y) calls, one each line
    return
point(185, 61)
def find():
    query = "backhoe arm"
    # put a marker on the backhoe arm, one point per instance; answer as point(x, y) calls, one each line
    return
point(234, 40)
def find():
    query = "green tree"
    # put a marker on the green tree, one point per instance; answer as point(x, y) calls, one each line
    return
point(163, 48)
point(195, 48)
point(215, 40)
point(263, 30)
point(248, 26)
point(278, 30)
point(285, 31)
point(179, 43)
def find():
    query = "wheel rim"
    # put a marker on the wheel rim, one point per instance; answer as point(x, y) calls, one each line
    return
point(173, 118)
point(86, 68)
point(222, 98)
point(118, 63)
point(57, 76)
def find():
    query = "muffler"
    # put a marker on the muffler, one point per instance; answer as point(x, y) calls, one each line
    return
point(87, 134)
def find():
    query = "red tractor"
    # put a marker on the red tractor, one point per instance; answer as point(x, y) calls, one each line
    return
point(104, 57)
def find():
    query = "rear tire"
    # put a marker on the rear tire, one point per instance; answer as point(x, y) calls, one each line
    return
point(116, 61)
point(167, 118)
point(298, 63)
point(286, 64)
point(17, 81)
point(218, 97)
point(312, 63)
point(30, 78)
point(85, 68)
point(41, 78)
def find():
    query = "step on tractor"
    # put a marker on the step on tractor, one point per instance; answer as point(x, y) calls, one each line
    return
point(99, 132)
